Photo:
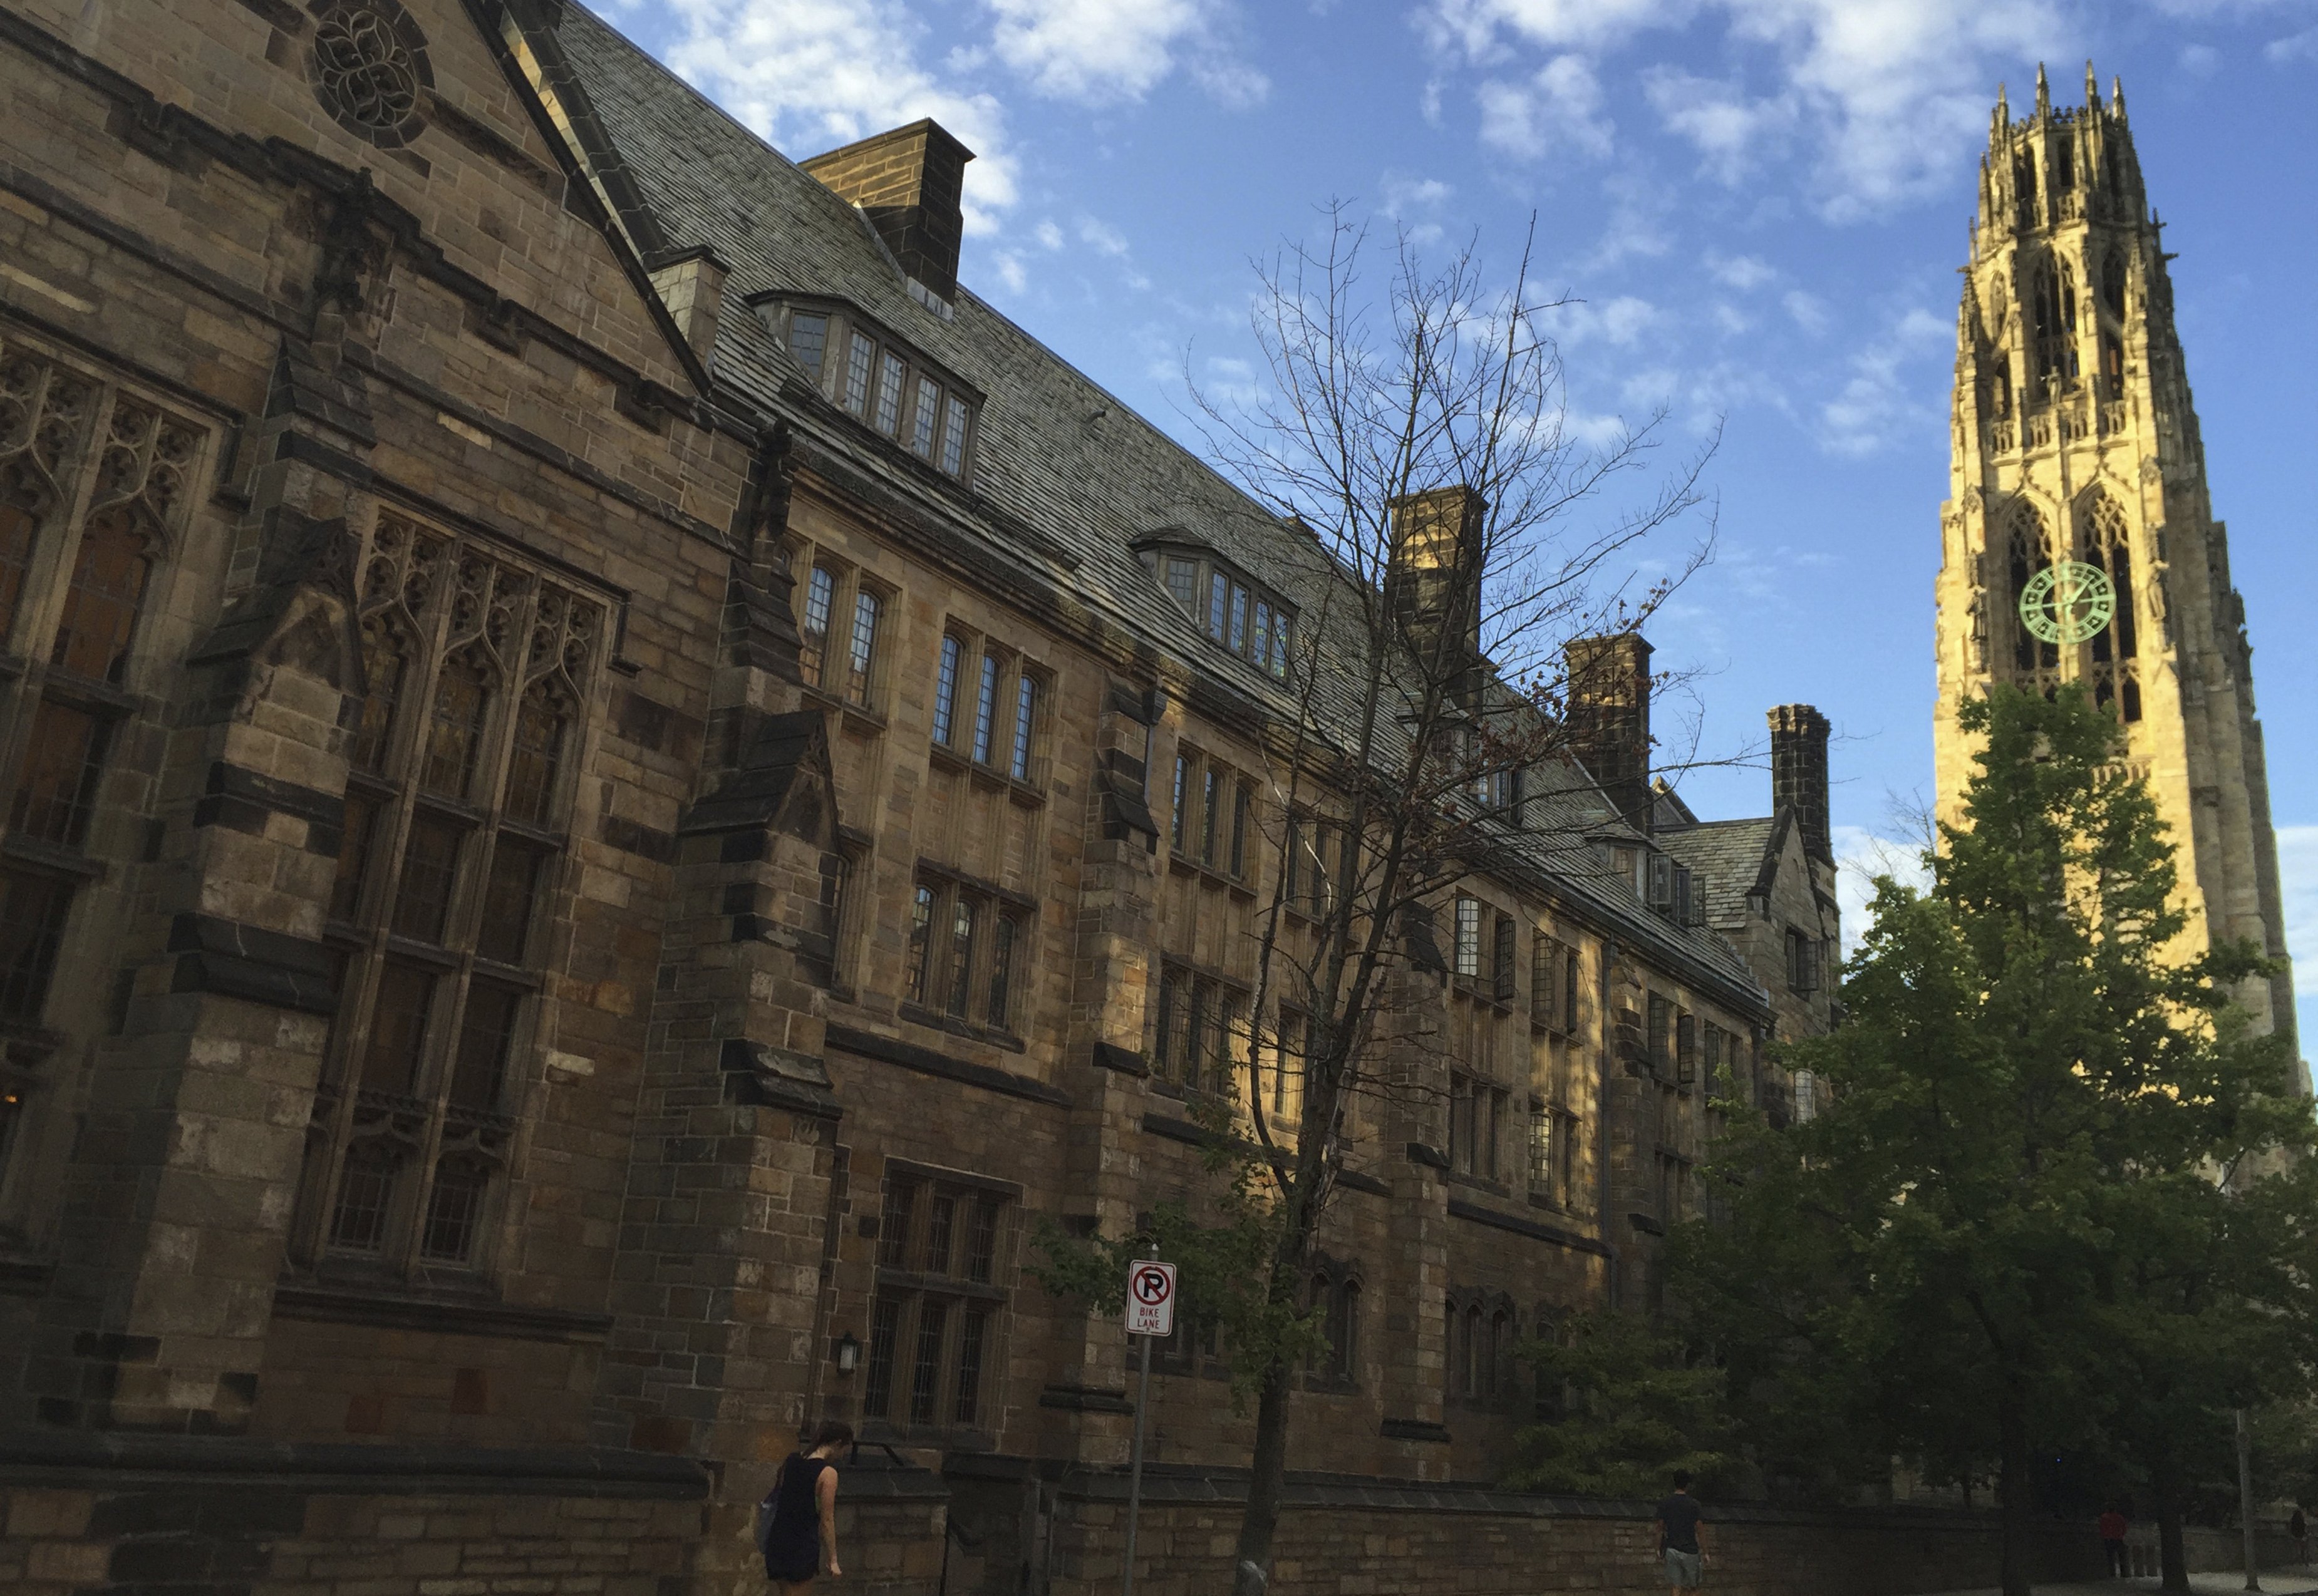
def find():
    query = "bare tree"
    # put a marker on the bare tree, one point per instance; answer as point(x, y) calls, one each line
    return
point(1458, 544)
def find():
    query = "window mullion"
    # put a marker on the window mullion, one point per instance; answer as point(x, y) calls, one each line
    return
point(359, 993)
point(49, 573)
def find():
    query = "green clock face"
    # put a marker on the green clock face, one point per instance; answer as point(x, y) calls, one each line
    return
point(2068, 603)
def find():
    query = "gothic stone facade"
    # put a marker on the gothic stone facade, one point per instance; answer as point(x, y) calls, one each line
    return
point(614, 786)
point(2075, 439)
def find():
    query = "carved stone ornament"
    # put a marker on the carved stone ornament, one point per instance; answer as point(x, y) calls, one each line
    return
point(369, 66)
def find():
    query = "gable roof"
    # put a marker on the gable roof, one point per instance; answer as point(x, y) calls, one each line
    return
point(1066, 477)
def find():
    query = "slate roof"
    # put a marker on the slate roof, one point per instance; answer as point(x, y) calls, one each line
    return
point(1066, 477)
point(1737, 856)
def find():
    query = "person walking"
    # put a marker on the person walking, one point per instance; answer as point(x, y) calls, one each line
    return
point(796, 1522)
point(2113, 1526)
point(1682, 1536)
point(2300, 1530)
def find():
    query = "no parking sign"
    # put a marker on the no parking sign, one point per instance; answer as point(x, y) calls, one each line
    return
point(1150, 1298)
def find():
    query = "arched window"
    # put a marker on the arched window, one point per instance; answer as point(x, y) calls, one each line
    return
point(1476, 1354)
point(537, 765)
point(102, 601)
point(2065, 159)
point(1344, 1332)
point(23, 500)
point(385, 662)
point(1501, 1355)
point(2113, 283)
point(454, 729)
point(2115, 673)
point(2030, 552)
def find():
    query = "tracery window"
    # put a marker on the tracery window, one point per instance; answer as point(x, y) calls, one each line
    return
point(95, 485)
point(460, 787)
point(1482, 1331)
point(2115, 666)
point(2053, 302)
point(2036, 665)
point(1335, 1291)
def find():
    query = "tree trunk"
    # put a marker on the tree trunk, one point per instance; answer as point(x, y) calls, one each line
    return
point(2172, 1561)
point(1267, 1473)
point(2013, 1492)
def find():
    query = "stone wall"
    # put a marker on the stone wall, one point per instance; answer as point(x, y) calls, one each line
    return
point(1348, 1537)
point(227, 1519)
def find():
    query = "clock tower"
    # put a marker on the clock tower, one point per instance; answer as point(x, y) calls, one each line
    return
point(2079, 542)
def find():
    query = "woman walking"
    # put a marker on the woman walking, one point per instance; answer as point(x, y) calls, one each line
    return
point(796, 1522)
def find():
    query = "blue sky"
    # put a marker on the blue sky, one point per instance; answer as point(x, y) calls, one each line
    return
point(1762, 204)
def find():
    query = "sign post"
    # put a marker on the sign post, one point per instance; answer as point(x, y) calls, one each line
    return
point(1150, 1317)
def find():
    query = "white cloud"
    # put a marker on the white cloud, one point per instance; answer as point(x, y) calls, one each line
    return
point(1893, 91)
point(1728, 129)
point(1860, 856)
point(1618, 321)
point(2293, 47)
point(1103, 50)
point(1472, 27)
point(1743, 272)
point(1876, 403)
point(1807, 310)
point(2297, 871)
point(2198, 60)
point(810, 74)
point(1404, 194)
point(1102, 236)
point(1638, 209)
point(1561, 108)
point(1050, 235)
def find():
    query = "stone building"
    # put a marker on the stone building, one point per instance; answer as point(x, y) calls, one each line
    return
point(2075, 443)
point(615, 785)
point(1770, 889)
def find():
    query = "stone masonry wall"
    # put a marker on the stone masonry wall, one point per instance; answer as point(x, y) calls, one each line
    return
point(1345, 1540)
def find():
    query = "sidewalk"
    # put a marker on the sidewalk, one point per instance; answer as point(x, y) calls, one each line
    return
point(2278, 1582)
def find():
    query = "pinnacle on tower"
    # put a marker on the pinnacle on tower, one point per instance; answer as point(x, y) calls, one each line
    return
point(2043, 92)
point(2092, 87)
point(2117, 97)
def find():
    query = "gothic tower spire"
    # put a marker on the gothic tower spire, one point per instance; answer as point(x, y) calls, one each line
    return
point(2074, 439)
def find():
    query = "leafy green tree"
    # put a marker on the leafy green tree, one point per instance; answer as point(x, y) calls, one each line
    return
point(1628, 1406)
point(2054, 1159)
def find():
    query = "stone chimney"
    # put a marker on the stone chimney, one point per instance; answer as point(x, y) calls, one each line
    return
point(1433, 576)
point(1799, 774)
point(692, 286)
point(908, 184)
point(1608, 718)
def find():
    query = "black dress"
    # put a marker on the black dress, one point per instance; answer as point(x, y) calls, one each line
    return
point(792, 1541)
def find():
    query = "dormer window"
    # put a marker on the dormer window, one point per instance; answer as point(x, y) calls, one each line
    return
point(1232, 609)
point(809, 341)
point(879, 381)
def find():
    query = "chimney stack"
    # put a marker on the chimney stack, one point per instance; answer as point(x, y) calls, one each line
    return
point(1432, 577)
point(1608, 718)
point(1799, 774)
point(909, 184)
